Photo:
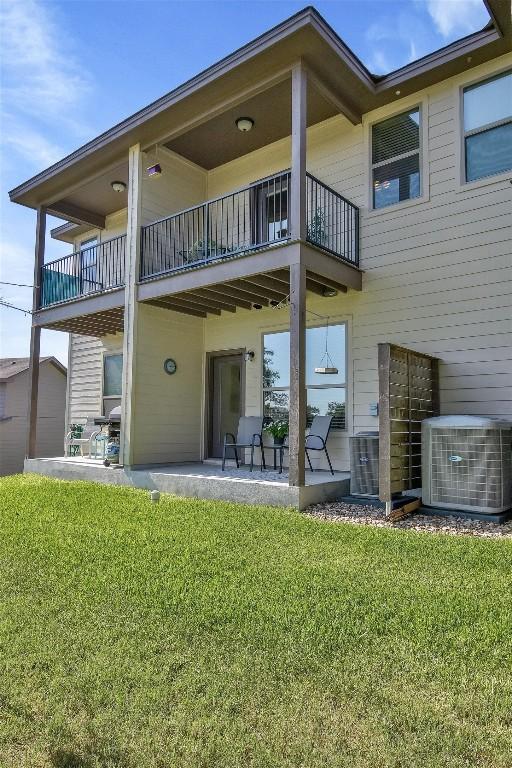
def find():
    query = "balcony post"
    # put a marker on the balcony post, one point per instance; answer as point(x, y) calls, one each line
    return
point(297, 419)
point(132, 271)
point(298, 181)
point(35, 337)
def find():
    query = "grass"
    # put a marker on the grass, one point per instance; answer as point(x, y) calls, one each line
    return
point(209, 634)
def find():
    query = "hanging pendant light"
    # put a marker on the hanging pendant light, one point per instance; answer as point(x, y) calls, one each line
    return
point(326, 366)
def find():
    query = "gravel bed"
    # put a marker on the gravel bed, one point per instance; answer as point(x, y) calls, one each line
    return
point(339, 512)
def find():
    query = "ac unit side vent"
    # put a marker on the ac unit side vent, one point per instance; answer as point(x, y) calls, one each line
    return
point(364, 465)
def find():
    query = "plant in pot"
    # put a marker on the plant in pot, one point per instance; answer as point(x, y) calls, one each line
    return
point(278, 430)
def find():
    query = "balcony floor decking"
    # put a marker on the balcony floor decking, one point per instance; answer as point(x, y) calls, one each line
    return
point(202, 481)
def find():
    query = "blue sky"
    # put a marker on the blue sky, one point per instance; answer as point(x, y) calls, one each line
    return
point(72, 69)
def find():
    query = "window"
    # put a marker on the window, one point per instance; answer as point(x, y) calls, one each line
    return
point(396, 159)
point(88, 265)
point(326, 394)
point(112, 377)
point(269, 214)
point(488, 127)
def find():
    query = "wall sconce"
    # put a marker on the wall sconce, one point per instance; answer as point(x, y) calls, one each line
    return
point(154, 170)
point(244, 124)
point(249, 356)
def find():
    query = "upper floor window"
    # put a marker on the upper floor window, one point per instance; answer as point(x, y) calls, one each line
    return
point(488, 127)
point(396, 159)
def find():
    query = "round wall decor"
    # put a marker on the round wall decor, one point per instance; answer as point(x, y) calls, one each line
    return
point(170, 366)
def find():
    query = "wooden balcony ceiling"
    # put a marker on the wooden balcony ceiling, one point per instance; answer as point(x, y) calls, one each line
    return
point(218, 141)
point(263, 290)
point(101, 323)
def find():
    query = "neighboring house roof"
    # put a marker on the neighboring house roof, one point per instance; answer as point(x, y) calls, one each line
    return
point(305, 35)
point(12, 366)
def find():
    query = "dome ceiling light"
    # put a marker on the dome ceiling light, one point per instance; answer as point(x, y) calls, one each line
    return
point(244, 124)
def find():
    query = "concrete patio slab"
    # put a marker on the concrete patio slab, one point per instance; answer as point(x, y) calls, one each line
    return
point(201, 481)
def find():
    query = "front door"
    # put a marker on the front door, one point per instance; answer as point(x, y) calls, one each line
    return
point(225, 384)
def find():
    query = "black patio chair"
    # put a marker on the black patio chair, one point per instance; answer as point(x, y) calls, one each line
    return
point(316, 439)
point(249, 435)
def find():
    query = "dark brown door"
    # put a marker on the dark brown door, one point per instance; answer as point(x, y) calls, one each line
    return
point(225, 399)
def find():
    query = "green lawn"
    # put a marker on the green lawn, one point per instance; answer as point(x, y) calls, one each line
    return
point(210, 634)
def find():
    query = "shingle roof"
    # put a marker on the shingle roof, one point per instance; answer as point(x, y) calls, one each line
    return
point(11, 366)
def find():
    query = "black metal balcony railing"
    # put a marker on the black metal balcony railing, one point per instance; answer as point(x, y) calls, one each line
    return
point(92, 270)
point(237, 223)
point(248, 219)
point(332, 221)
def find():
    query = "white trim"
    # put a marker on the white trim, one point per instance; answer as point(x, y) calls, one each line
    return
point(379, 116)
point(347, 385)
point(460, 178)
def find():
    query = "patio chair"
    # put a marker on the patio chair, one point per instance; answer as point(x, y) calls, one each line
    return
point(88, 435)
point(316, 439)
point(249, 435)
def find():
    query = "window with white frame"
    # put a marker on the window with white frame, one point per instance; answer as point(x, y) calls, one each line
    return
point(396, 159)
point(487, 108)
point(326, 393)
point(112, 382)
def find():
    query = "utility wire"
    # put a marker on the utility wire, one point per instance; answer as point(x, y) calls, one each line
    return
point(11, 306)
point(18, 285)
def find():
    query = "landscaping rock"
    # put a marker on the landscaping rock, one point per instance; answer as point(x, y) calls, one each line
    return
point(340, 512)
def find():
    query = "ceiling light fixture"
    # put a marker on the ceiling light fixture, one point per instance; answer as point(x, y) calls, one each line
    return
point(118, 186)
point(244, 124)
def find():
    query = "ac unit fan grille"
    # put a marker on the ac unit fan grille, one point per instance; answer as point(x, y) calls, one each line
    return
point(468, 467)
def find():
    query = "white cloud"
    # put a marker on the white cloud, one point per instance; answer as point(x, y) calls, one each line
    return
point(30, 144)
point(394, 44)
point(40, 76)
point(457, 17)
point(44, 88)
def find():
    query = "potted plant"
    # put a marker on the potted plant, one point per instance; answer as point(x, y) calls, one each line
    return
point(278, 430)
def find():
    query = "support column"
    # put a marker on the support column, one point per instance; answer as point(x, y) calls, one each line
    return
point(35, 338)
point(298, 185)
point(132, 271)
point(297, 427)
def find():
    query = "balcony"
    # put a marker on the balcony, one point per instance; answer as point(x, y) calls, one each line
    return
point(250, 219)
point(93, 270)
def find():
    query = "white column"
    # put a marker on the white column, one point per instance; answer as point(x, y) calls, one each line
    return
point(132, 270)
point(35, 337)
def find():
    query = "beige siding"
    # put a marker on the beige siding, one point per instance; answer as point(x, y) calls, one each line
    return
point(181, 185)
point(50, 421)
point(86, 374)
point(437, 278)
point(168, 418)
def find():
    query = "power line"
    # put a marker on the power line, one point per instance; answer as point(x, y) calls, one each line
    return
point(18, 285)
point(11, 306)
